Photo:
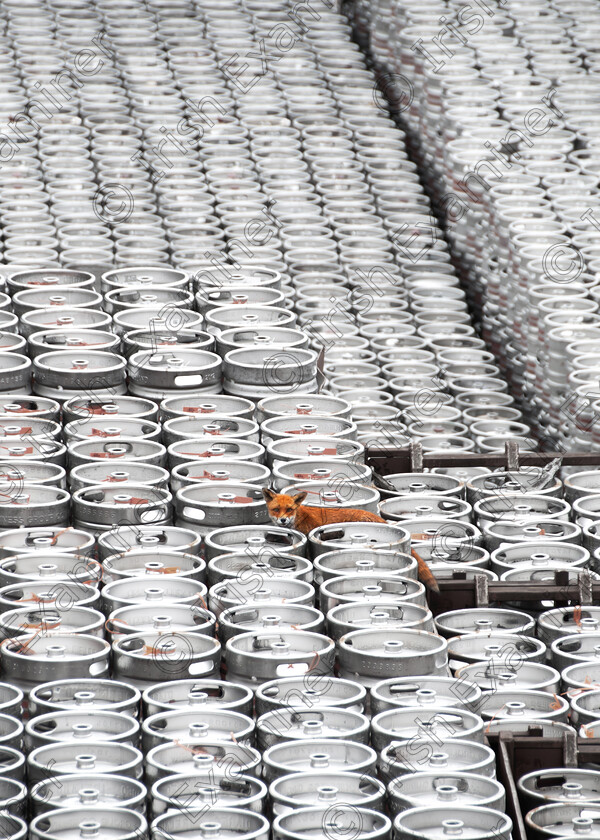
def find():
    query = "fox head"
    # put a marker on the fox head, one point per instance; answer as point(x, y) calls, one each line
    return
point(282, 508)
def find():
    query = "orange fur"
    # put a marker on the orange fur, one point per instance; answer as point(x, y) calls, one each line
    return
point(289, 512)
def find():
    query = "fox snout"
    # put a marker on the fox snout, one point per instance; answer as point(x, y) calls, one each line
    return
point(284, 521)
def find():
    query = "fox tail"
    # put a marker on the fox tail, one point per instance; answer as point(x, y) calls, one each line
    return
point(425, 574)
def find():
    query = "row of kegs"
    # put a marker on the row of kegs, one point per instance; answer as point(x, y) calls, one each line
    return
point(520, 200)
point(520, 203)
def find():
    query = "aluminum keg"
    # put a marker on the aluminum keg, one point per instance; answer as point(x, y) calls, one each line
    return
point(194, 427)
point(506, 484)
point(160, 298)
point(359, 535)
point(260, 373)
point(539, 553)
point(205, 470)
point(59, 299)
point(151, 561)
point(581, 677)
point(314, 449)
point(93, 474)
point(76, 725)
point(315, 405)
point(49, 619)
point(112, 428)
point(560, 784)
point(317, 755)
point(349, 561)
point(426, 822)
point(38, 320)
point(255, 541)
point(215, 819)
point(64, 374)
point(195, 725)
point(331, 822)
point(171, 317)
point(219, 758)
point(433, 790)
point(171, 618)
point(399, 692)
point(415, 505)
point(340, 475)
point(141, 591)
point(289, 652)
point(309, 691)
point(579, 647)
point(366, 655)
point(160, 375)
point(84, 408)
point(39, 593)
point(523, 704)
point(501, 533)
point(124, 449)
point(147, 658)
point(31, 660)
point(46, 341)
point(214, 446)
point(581, 484)
point(402, 724)
point(35, 506)
point(285, 724)
point(191, 793)
point(88, 789)
point(157, 338)
point(260, 616)
point(53, 566)
point(83, 694)
point(506, 648)
point(270, 564)
point(96, 508)
point(29, 406)
point(382, 615)
point(566, 621)
point(45, 278)
point(147, 276)
point(554, 819)
point(201, 507)
point(326, 790)
point(54, 760)
point(119, 823)
point(124, 538)
point(215, 404)
point(373, 588)
point(197, 693)
point(492, 676)
point(278, 428)
point(459, 622)
point(31, 472)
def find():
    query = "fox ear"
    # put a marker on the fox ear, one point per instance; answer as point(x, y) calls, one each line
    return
point(299, 498)
point(268, 494)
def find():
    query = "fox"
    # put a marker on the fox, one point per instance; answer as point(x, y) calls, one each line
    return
point(289, 512)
